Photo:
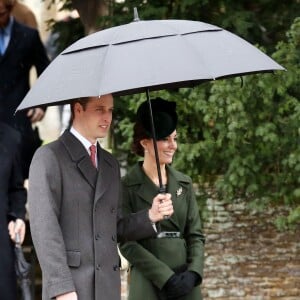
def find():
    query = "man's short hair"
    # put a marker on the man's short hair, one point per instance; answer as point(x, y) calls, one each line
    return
point(82, 101)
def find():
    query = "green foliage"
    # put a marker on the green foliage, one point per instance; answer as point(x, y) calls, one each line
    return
point(239, 137)
point(289, 221)
point(264, 22)
point(64, 33)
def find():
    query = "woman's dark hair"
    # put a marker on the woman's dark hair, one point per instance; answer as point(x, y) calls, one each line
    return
point(139, 134)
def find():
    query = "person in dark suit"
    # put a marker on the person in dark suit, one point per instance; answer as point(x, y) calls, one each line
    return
point(12, 208)
point(20, 49)
point(75, 210)
point(171, 265)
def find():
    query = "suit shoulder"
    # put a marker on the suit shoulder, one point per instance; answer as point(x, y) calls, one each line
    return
point(10, 135)
point(48, 157)
point(52, 147)
point(23, 27)
point(134, 176)
point(24, 30)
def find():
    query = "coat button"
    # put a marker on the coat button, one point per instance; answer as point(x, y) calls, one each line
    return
point(97, 236)
point(112, 210)
point(116, 268)
point(98, 267)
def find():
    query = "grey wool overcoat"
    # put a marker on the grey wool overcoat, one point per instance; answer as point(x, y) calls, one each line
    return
point(76, 222)
point(154, 260)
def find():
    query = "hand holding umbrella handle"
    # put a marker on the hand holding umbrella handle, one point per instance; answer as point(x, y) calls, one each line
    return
point(19, 231)
point(22, 268)
point(162, 190)
point(161, 208)
point(16, 230)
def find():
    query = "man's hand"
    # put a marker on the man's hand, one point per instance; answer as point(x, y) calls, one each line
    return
point(68, 296)
point(35, 114)
point(17, 227)
point(161, 206)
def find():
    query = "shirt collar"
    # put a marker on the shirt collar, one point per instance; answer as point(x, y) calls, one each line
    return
point(7, 30)
point(85, 142)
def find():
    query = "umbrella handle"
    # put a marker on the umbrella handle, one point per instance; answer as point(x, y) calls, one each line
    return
point(18, 240)
point(162, 189)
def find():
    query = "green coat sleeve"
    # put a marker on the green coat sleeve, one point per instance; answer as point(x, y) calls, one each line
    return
point(152, 268)
point(194, 237)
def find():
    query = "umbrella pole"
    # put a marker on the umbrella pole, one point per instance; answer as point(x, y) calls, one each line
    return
point(162, 189)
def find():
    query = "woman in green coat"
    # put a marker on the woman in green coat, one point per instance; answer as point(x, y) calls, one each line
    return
point(171, 265)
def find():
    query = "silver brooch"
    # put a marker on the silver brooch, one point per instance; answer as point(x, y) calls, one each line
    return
point(179, 192)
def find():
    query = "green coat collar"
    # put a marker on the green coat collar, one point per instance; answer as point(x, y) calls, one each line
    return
point(136, 175)
point(177, 186)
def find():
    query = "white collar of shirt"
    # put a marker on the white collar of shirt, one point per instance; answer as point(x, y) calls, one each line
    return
point(85, 142)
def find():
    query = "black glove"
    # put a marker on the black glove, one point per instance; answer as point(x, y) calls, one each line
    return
point(172, 288)
point(180, 284)
point(191, 279)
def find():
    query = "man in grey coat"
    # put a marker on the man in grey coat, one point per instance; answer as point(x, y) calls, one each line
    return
point(75, 212)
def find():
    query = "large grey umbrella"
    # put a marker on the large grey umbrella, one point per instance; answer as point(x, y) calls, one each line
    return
point(144, 56)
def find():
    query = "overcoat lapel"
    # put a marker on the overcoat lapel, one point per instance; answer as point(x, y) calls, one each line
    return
point(80, 156)
point(147, 191)
point(177, 189)
point(104, 178)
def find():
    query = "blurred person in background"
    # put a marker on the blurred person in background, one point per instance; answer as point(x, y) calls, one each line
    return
point(20, 49)
point(12, 209)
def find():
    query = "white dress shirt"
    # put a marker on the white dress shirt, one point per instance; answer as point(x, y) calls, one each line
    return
point(85, 142)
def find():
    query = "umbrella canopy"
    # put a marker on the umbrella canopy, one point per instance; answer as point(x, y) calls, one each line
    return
point(146, 55)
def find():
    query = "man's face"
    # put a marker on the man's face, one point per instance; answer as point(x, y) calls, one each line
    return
point(4, 15)
point(94, 120)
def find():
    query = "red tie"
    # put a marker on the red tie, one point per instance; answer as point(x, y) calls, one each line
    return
point(93, 155)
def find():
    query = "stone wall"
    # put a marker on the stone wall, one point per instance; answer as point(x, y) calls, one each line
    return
point(247, 258)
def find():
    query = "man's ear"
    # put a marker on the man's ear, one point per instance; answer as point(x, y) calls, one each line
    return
point(77, 107)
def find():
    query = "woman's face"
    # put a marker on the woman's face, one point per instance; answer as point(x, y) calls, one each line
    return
point(166, 148)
